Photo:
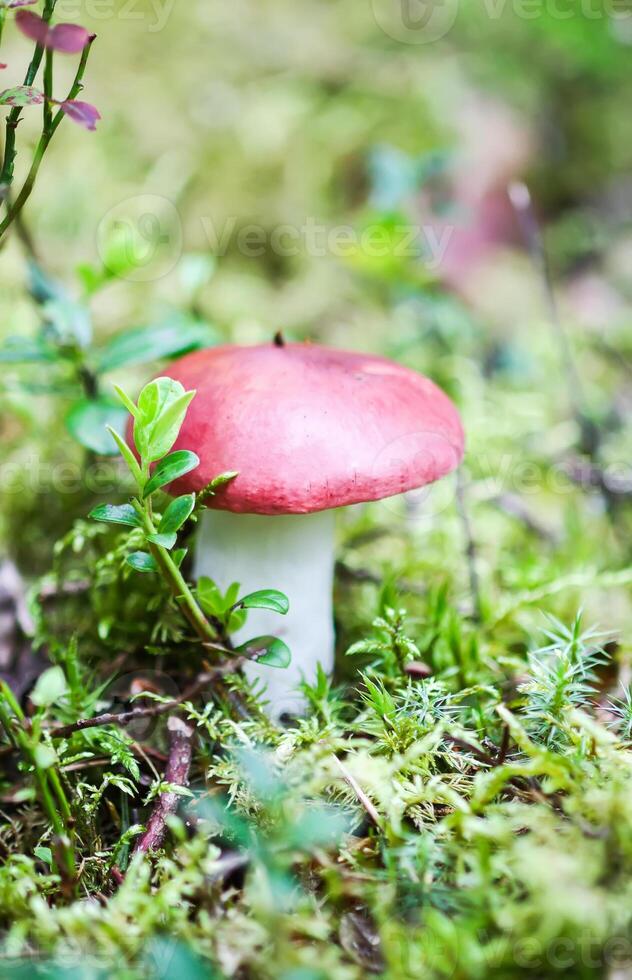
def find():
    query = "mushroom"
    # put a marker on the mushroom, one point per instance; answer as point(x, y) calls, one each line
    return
point(308, 429)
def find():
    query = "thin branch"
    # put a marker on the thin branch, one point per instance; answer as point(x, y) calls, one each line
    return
point(367, 803)
point(512, 505)
point(520, 198)
point(47, 134)
point(177, 774)
point(364, 575)
point(124, 718)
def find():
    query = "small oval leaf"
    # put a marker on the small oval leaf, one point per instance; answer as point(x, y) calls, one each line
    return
point(163, 540)
point(173, 337)
point(170, 468)
point(142, 562)
point(178, 511)
point(87, 422)
point(50, 687)
point(265, 599)
point(268, 650)
point(113, 514)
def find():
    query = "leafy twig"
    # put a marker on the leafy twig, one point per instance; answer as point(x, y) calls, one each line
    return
point(50, 127)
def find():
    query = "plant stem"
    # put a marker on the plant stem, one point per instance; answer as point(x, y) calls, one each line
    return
point(48, 90)
point(6, 175)
point(21, 740)
point(161, 708)
point(47, 134)
point(176, 581)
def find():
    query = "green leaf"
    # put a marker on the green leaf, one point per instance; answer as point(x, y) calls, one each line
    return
point(164, 954)
point(42, 286)
point(88, 421)
point(167, 427)
point(127, 401)
point(210, 597)
point(268, 650)
point(142, 562)
point(70, 322)
point(164, 540)
point(114, 514)
point(44, 854)
point(173, 466)
point(23, 350)
point(178, 511)
point(21, 95)
point(265, 599)
point(176, 336)
point(179, 555)
point(127, 455)
point(215, 484)
point(50, 687)
point(162, 406)
point(44, 756)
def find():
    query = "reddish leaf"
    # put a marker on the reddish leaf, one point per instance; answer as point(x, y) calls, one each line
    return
point(21, 95)
point(2, 66)
point(83, 113)
point(68, 38)
point(32, 26)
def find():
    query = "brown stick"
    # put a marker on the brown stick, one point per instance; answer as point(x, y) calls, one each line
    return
point(366, 802)
point(176, 773)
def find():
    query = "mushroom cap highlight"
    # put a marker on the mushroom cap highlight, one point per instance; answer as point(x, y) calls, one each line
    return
point(309, 428)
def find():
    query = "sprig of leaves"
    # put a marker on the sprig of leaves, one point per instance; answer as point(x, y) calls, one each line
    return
point(157, 419)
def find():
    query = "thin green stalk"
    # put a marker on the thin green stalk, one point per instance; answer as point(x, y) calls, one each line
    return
point(176, 581)
point(48, 90)
point(40, 150)
point(58, 813)
point(6, 175)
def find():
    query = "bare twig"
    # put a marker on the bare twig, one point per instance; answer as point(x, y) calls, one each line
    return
point(364, 575)
point(176, 774)
point(512, 505)
point(480, 754)
point(359, 792)
point(615, 486)
point(520, 198)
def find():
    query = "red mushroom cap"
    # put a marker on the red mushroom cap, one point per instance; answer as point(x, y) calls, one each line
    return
point(308, 428)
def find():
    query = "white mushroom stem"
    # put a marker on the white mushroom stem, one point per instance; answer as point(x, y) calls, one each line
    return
point(295, 554)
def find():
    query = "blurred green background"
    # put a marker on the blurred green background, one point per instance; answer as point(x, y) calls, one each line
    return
point(224, 121)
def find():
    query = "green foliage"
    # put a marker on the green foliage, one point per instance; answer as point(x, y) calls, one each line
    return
point(456, 801)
